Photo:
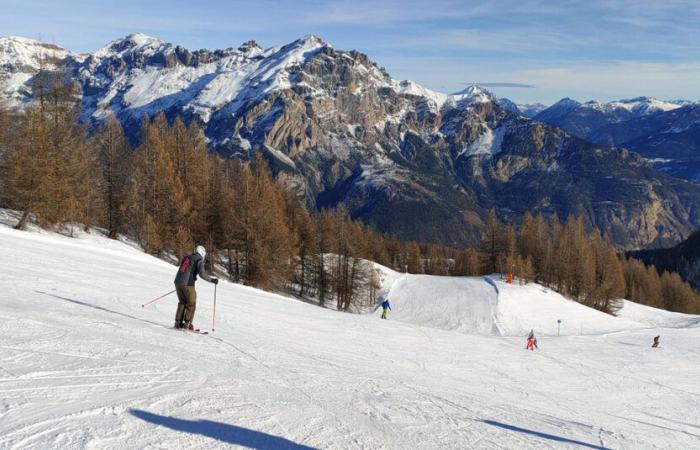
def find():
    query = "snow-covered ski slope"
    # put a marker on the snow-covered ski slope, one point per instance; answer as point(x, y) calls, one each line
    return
point(82, 365)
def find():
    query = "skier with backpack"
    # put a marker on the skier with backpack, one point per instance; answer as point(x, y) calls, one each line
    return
point(386, 307)
point(531, 341)
point(190, 266)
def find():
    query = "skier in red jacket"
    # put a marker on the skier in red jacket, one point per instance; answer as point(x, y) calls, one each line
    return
point(531, 341)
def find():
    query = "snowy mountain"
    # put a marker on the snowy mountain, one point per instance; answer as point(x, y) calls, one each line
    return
point(669, 140)
point(583, 119)
point(412, 162)
point(20, 60)
point(531, 109)
point(85, 366)
point(666, 133)
point(527, 110)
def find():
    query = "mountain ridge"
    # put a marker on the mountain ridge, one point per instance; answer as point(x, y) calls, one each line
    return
point(666, 133)
point(411, 161)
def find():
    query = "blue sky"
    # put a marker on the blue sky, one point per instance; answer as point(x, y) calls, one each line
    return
point(531, 50)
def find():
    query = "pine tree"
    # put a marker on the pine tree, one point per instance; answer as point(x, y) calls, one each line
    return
point(50, 170)
point(115, 158)
point(4, 130)
point(194, 168)
point(326, 246)
point(305, 241)
point(159, 192)
point(414, 260)
point(491, 243)
point(264, 236)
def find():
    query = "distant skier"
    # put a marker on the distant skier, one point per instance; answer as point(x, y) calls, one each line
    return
point(190, 266)
point(656, 341)
point(531, 341)
point(386, 307)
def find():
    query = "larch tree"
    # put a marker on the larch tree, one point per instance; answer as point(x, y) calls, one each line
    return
point(160, 194)
point(492, 242)
point(116, 159)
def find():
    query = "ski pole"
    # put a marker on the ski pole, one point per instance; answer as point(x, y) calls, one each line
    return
point(157, 298)
point(213, 318)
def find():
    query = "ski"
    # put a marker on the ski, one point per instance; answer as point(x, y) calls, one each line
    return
point(195, 331)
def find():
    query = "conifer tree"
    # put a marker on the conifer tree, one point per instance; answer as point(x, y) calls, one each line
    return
point(159, 191)
point(115, 158)
point(491, 243)
point(414, 262)
point(50, 170)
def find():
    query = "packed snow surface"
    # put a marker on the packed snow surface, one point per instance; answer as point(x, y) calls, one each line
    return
point(83, 365)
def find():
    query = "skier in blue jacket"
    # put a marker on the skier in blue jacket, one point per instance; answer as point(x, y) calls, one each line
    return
point(385, 308)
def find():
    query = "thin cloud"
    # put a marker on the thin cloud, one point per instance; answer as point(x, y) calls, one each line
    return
point(383, 13)
point(504, 85)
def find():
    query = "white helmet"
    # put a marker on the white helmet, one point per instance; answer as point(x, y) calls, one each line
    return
point(201, 251)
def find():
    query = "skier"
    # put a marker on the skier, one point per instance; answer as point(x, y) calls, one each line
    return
point(531, 341)
point(385, 308)
point(656, 341)
point(190, 266)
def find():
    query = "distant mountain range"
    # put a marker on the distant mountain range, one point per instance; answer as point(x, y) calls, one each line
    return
point(337, 128)
point(666, 133)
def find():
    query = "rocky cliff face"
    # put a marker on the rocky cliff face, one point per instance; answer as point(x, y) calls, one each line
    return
point(412, 162)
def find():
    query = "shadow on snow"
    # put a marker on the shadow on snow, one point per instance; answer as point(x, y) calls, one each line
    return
point(230, 434)
point(551, 437)
point(100, 308)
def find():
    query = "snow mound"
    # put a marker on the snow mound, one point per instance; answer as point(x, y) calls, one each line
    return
point(522, 308)
point(656, 317)
point(487, 306)
point(463, 304)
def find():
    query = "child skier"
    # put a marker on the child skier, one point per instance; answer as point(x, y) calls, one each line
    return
point(385, 308)
point(531, 341)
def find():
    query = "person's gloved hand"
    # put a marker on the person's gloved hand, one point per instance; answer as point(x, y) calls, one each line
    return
point(215, 280)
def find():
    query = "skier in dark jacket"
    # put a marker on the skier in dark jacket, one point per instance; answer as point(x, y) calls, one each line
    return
point(190, 266)
point(656, 341)
point(385, 308)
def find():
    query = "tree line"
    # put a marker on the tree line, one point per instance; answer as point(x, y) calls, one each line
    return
point(170, 193)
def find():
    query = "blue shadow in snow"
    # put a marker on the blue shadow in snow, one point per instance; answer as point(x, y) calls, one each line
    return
point(551, 437)
point(229, 434)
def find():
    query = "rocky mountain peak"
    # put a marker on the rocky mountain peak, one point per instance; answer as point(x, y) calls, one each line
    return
point(566, 102)
point(250, 48)
point(135, 46)
point(18, 53)
point(473, 94)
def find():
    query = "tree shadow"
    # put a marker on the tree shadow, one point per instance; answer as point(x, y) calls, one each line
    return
point(100, 308)
point(229, 434)
point(551, 437)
